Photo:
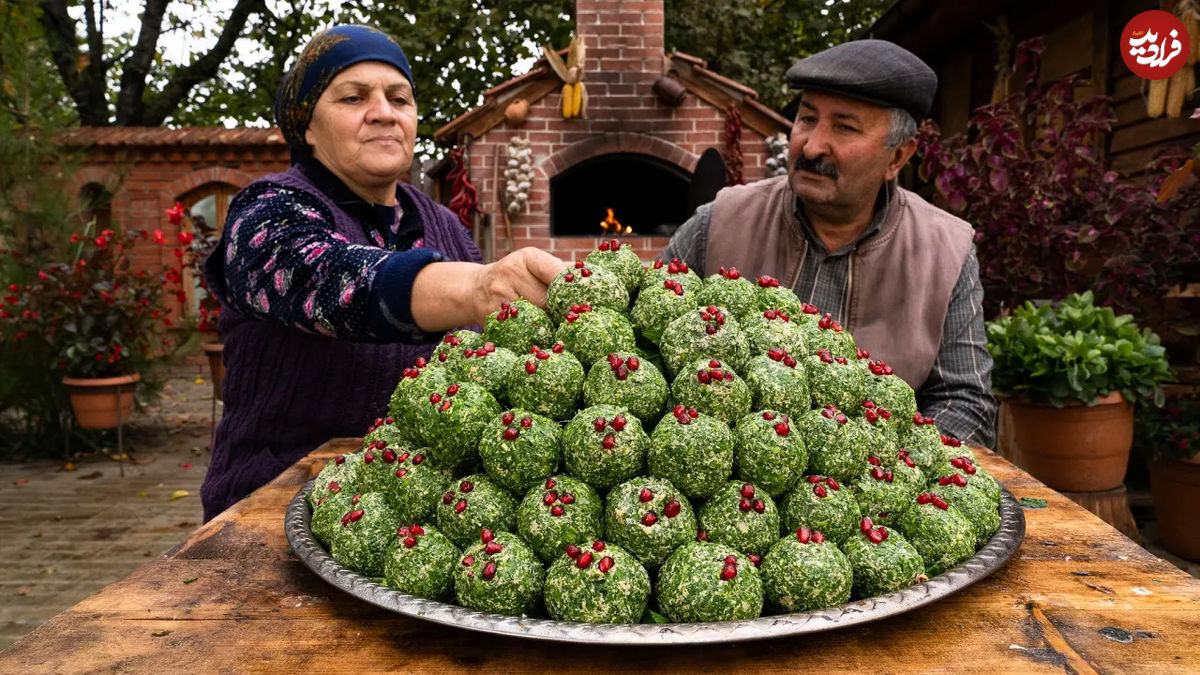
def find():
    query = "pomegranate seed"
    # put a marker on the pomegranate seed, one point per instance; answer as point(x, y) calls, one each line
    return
point(782, 429)
point(334, 487)
point(466, 486)
point(448, 497)
point(609, 442)
point(833, 484)
point(571, 317)
point(747, 490)
point(550, 482)
point(820, 491)
point(401, 472)
point(803, 535)
point(452, 390)
point(693, 413)
point(728, 572)
point(744, 505)
point(445, 406)
point(530, 367)
point(578, 264)
point(389, 456)
point(940, 503)
point(889, 475)
point(710, 329)
point(507, 418)
point(492, 548)
point(598, 424)
point(556, 510)
point(485, 535)
point(526, 422)
point(633, 363)
point(339, 460)
point(759, 506)
point(789, 362)
point(402, 458)
point(705, 316)
point(489, 570)
point(569, 278)
point(924, 498)
point(618, 422)
point(442, 358)
point(606, 564)
point(649, 519)
point(460, 506)
point(598, 545)
point(671, 509)
point(356, 516)
point(584, 560)
point(818, 537)
point(557, 348)
point(865, 524)
point(883, 533)
point(755, 559)
point(768, 416)
point(417, 459)
point(701, 535)
point(417, 529)
point(645, 495)
point(875, 537)
point(703, 377)
point(550, 498)
point(567, 498)
point(410, 542)
point(621, 373)
point(959, 480)
point(872, 460)
point(510, 434)
point(542, 356)
point(871, 416)
point(368, 457)
point(468, 561)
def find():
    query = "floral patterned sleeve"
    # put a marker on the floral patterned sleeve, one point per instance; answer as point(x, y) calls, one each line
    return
point(284, 262)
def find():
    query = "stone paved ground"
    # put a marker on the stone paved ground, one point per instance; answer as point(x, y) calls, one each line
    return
point(64, 535)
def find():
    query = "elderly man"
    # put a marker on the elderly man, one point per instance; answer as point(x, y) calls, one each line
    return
point(899, 273)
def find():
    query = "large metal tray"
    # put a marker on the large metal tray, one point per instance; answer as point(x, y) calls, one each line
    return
point(992, 556)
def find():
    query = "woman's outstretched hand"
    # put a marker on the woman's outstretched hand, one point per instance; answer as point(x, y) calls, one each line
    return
point(450, 294)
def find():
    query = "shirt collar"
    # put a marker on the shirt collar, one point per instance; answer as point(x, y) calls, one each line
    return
point(882, 201)
point(378, 216)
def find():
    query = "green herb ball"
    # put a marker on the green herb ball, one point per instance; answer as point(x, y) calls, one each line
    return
point(547, 382)
point(707, 332)
point(778, 381)
point(882, 560)
point(703, 581)
point(695, 453)
point(520, 449)
point(773, 329)
point(969, 497)
point(940, 534)
point(604, 445)
point(559, 511)
point(327, 514)
point(499, 574)
point(650, 518)
point(888, 390)
point(452, 422)
point(883, 490)
point(489, 366)
point(770, 453)
point(626, 380)
point(517, 326)
point(923, 441)
point(471, 503)
point(581, 284)
point(821, 503)
point(597, 583)
point(619, 259)
point(834, 380)
point(829, 334)
point(773, 295)
point(806, 570)
point(966, 464)
point(657, 306)
point(712, 388)
point(727, 288)
point(421, 561)
point(385, 430)
point(411, 484)
point(338, 475)
point(672, 270)
point(411, 395)
point(834, 446)
point(450, 348)
point(878, 434)
point(590, 334)
point(361, 541)
point(742, 516)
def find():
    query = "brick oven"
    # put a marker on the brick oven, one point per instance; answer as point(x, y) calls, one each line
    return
point(637, 152)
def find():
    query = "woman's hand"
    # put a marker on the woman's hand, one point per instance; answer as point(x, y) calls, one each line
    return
point(450, 294)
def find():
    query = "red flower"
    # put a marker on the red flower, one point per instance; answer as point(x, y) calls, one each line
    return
point(159, 237)
point(174, 215)
point(186, 238)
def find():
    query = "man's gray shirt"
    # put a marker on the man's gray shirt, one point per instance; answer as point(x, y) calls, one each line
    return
point(957, 393)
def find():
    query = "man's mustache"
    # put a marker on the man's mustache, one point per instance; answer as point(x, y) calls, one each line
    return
point(820, 166)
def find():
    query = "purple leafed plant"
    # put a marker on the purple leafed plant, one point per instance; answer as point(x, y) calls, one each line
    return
point(1050, 217)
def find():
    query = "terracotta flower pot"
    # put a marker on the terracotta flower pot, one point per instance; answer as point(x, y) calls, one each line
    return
point(1175, 485)
point(216, 366)
point(102, 403)
point(1078, 448)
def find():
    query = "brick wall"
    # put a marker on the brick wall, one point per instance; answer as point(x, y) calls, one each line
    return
point(624, 40)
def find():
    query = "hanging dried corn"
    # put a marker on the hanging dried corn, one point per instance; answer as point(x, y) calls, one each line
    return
point(1181, 84)
point(574, 93)
point(464, 200)
point(733, 147)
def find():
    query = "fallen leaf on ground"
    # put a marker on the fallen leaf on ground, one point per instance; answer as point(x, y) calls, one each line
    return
point(143, 494)
point(185, 465)
point(186, 523)
point(178, 494)
point(199, 380)
point(69, 466)
point(21, 481)
point(188, 581)
point(119, 457)
point(24, 590)
point(48, 570)
point(1033, 503)
point(160, 633)
point(89, 476)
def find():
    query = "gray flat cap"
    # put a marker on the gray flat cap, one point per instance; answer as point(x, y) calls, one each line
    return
point(876, 71)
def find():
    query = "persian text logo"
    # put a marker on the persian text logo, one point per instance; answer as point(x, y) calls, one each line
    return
point(1155, 45)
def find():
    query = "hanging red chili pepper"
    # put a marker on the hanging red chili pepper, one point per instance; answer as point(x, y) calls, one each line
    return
point(733, 147)
point(465, 199)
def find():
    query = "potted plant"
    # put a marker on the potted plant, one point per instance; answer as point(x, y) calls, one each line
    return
point(198, 242)
point(1069, 374)
point(1170, 439)
point(100, 319)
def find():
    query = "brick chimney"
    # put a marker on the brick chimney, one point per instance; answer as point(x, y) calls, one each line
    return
point(624, 40)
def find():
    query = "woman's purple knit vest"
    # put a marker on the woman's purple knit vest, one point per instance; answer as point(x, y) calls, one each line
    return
point(287, 392)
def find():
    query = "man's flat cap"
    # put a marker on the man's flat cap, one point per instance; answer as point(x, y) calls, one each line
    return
point(876, 71)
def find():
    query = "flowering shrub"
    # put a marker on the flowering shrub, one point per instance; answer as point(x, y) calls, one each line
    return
point(197, 244)
point(1170, 432)
point(97, 315)
point(1050, 218)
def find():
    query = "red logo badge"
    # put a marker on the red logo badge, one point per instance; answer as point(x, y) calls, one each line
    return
point(1155, 45)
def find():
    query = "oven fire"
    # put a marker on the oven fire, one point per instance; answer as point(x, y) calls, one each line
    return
point(611, 225)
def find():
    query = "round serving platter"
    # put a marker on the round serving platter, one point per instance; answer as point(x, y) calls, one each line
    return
point(992, 556)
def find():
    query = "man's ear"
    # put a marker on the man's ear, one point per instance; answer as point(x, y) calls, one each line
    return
point(900, 156)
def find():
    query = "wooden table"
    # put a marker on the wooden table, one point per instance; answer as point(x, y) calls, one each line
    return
point(1078, 597)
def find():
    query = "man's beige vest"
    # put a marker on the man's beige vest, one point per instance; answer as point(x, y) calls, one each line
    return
point(900, 279)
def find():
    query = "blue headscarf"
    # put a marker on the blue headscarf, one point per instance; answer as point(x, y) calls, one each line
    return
point(327, 54)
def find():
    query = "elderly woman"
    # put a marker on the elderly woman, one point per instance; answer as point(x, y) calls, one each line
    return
point(333, 277)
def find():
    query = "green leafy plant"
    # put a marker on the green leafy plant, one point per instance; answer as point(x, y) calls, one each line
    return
point(1075, 351)
point(1169, 432)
